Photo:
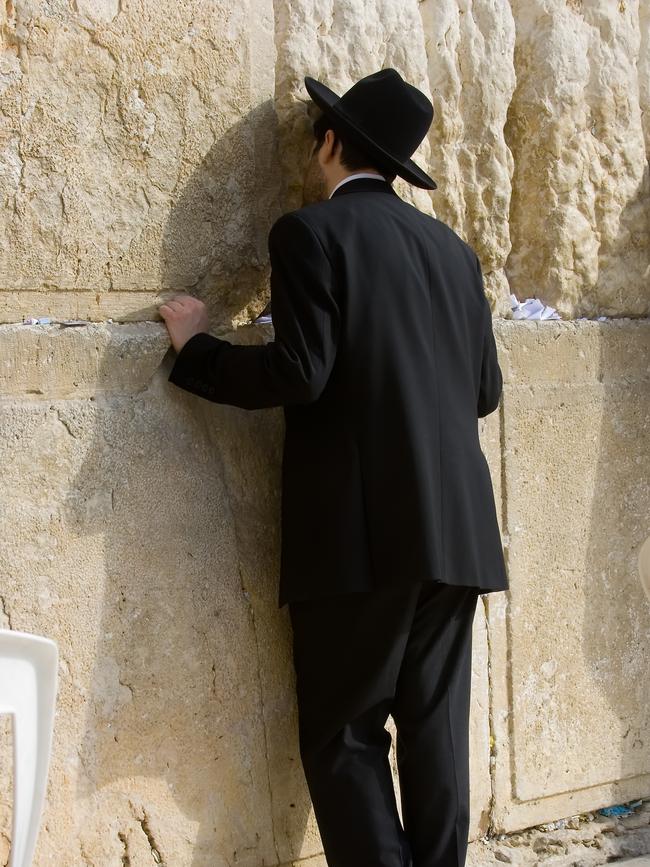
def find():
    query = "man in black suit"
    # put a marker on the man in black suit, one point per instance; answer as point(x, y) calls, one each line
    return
point(384, 358)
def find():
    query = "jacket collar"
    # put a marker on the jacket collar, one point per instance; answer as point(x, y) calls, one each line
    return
point(364, 185)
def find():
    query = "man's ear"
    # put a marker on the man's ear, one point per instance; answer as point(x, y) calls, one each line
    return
point(332, 145)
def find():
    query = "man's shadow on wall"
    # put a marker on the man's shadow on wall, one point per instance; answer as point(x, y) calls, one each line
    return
point(190, 732)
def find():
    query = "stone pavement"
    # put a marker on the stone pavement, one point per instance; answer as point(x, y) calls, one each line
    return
point(578, 843)
point(584, 840)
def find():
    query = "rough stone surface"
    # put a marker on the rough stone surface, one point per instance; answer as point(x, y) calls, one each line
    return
point(139, 524)
point(161, 152)
point(470, 54)
point(579, 220)
point(111, 509)
point(140, 530)
point(571, 640)
point(148, 161)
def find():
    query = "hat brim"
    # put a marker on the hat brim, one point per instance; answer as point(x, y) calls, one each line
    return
point(327, 100)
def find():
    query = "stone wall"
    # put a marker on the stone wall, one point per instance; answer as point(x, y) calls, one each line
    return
point(140, 531)
point(146, 150)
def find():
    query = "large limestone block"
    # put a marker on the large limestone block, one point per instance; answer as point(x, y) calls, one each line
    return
point(570, 641)
point(119, 541)
point(470, 54)
point(138, 150)
point(580, 216)
point(150, 164)
point(54, 362)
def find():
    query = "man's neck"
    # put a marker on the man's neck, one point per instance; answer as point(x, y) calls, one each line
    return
point(365, 173)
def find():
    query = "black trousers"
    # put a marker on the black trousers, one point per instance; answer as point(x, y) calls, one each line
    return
point(359, 657)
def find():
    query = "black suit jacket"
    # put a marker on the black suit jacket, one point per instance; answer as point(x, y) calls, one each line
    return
point(384, 358)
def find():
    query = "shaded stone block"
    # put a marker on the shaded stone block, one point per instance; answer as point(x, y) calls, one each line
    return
point(571, 639)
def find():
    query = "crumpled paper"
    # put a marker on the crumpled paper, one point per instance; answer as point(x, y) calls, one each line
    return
point(64, 323)
point(531, 308)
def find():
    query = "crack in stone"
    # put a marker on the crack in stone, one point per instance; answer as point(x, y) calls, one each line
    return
point(65, 424)
point(126, 858)
point(505, 530)
point(5, 611)
point(491, 831)
point(4, 837)
point(127, 685)
point(155, 850)
point(142, 818)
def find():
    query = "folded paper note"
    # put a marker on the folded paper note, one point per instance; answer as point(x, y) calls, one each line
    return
point(531, 308)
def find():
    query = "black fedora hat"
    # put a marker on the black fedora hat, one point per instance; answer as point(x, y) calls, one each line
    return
point(385, 116)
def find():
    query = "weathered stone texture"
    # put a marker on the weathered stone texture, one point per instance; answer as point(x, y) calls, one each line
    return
point(470, 48)
point(146, 150)
point(147, 160)
point(580, 215)
point(159, 154)
point(140, 531)
point(571, 640)
point(643, 67)
point(119, 542)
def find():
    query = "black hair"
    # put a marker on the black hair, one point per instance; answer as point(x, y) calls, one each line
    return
point(352, 156)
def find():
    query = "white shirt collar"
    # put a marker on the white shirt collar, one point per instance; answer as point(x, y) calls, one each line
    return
point(357, 175)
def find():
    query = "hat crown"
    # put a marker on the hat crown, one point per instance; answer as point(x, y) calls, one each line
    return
point(389, 110)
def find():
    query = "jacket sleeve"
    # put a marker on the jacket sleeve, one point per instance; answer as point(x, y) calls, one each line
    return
point(295, 366)
point(491, 381)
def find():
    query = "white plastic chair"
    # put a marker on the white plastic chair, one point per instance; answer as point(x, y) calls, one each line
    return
point(28, 686)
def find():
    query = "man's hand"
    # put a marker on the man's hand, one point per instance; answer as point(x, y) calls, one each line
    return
point(184, 317)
